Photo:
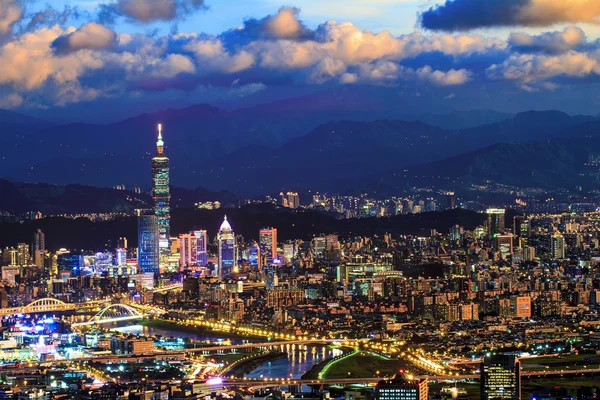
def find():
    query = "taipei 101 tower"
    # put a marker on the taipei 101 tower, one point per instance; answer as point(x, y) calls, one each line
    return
point(161, 194)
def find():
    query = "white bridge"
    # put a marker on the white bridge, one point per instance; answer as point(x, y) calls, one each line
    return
point(113, 313)
point(40, 306)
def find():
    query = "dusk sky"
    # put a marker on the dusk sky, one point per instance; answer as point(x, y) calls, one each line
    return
point(58, 54)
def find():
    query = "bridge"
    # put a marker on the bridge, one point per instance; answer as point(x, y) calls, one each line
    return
point(275, 382)
point(39, 306)
point(176, 286)
point(112, 313)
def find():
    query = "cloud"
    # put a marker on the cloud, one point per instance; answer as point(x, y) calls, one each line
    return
point(530, 68)
point(146, 11)
point(549, 42)
point(11, 12)
point(440, 78)
point(456, 15)
point(12, 100)
point(91, 36)
point(50, 17)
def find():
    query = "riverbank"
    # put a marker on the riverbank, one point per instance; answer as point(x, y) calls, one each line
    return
point(357, 364)
point(244, 366)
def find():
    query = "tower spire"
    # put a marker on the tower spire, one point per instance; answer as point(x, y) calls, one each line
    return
point(160, 144)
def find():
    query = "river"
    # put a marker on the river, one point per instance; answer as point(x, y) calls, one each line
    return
point(300, 359)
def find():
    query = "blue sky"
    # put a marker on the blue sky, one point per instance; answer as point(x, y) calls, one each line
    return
point(397, 16)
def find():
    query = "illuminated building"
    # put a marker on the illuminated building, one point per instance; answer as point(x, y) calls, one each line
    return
point(23, 254)
point(522, 226)
point(402, 388)
point(148, 244)
point(254, 255)
point(504, 244)
point(450, 200)
point(268, 244)
point(500, 378)
point(72, 262)
point(161, 193)
point(121, 257)
point(202, 255)
point(520, 306)
point(188, 250)
point(495, 221)
point(293, 200)
point(558, 246)
point(39, 241)
point(227, 256)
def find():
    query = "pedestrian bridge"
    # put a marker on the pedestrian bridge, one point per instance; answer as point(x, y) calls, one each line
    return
point(39, 306)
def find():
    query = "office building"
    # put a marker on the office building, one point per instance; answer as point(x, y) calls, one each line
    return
point(268, 244)
point(558, 248)
point(520, 306)
point(202, 240)
point(148, 244)
point(39, 241)
point(500, 378)
point(293, 200)
point(227, 250)
point(72, 262)
point(401, 387)
point(23, 254)
point(522, 226)
point(504, 245)
point(450, 200)
point(188, 250)
point(495, 221)
point(161, 194)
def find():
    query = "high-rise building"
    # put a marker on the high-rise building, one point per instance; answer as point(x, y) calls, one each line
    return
point(293, 200)
point(520, 306)
point(161, 194)
point(72, 262)
point(188, 250)
point(495, 221)
point(121, 257)
point(400, 387)
point(39, 241)
point(148, 244)
point(504, 245)
point(23, 254)
point(268, 244)
point(558, 246)
point(227, 256)
point(450, 200)
point(202, 238)
point(500, 378)
point(522, 226)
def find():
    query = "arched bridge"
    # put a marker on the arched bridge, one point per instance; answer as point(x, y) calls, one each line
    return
point(113, 313)
point(39, 306)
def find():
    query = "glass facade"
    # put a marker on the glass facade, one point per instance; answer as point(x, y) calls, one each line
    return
point(161, 192)
point(148, 244)
point(227, 256)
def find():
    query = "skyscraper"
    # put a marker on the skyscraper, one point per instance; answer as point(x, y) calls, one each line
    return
point(227, 257)
point(161, 193)
point(39, 240)
point(148, 244)
point(188, 250)
point(23, 255)
point(500, 378)
point(558, 246)
point(202, 239)
point(495, 221)
point(268, 244)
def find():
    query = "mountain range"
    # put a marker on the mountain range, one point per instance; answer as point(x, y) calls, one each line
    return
point(310, 142)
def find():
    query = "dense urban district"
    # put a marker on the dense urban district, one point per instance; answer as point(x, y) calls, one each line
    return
point(504, 306)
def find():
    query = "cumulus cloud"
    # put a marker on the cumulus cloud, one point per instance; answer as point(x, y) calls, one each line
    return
point(529, 68)
point(91, 36)
point(388, 72)
point(455, 15)
point(11, 12)
point(12, 100)
point(549, 42)
point(146, 11)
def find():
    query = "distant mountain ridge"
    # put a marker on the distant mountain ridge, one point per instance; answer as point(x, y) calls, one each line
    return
point(266, 148)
